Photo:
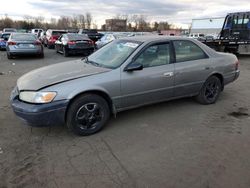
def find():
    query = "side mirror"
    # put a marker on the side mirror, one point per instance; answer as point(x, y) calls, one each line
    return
point(134, 67)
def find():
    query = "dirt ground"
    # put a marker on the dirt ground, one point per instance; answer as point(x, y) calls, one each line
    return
point(177, 144)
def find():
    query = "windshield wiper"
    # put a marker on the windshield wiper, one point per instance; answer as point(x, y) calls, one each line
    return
point(86, 60)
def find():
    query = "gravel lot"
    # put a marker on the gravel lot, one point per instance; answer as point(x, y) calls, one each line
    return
point(177, 144)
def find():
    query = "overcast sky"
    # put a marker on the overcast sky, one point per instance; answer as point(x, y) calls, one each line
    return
point(173, 11)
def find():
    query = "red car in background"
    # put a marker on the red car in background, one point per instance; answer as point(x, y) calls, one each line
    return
point(51, 36)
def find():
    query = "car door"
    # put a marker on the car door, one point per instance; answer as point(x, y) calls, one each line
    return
point(192, 67)
point(154, 82)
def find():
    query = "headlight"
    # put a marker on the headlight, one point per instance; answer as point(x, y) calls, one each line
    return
point(37, 97)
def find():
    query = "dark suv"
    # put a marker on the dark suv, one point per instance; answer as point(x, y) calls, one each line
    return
point(92, 34)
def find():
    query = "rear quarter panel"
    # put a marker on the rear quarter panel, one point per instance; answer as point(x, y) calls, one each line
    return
point(224, 64)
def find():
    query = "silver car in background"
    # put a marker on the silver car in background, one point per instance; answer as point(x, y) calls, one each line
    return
point(109, 37)
point(124, 74)
point(23, 44)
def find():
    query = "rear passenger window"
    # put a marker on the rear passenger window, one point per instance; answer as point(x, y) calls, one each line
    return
point(188, 51)
point(155, 55)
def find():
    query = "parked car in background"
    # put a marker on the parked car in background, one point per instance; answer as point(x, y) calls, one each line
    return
point(23, 44)
point(3, 40)
point(124, 74)
point(9, 30)
point(92, 34)
point(42, 36)
point(36, 31)
point(73, 43)
point(196, 35)
point(211, 37)
point(109, 37)
point(51, 36)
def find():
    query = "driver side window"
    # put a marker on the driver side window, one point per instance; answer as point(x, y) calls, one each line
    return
point(154, 55)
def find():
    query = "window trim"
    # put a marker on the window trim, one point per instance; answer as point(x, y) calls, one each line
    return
point(206, 56)
point(171, 52)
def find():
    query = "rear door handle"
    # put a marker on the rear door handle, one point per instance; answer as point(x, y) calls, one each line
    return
point(168, 74)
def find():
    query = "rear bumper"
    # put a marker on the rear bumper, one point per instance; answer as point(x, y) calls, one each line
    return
point(237, 74)
point(33, 52)
point(39, 115)
point(80, 50)
point(231, 77)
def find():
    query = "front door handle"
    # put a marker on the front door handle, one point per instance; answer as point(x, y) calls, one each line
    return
point(168, 74)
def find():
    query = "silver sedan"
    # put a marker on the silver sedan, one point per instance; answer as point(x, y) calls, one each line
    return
point(23, 44)
point(124, 74)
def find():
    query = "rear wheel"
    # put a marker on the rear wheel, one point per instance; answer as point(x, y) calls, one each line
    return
point(9, 56)
point(65, 52)
point(87, 114)
point(210, 91)
point(42, 55)
point(49, 46)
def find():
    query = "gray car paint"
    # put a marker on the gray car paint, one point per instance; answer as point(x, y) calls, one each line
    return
point(56, 73)
point(127, 89)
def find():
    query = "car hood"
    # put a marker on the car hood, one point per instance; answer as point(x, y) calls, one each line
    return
point(53, 74)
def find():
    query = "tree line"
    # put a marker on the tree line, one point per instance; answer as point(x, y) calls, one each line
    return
point(83, 21)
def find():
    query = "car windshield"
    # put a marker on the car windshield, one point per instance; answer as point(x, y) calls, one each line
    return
point(5, 36)
point(113, 54)
point(23, 37)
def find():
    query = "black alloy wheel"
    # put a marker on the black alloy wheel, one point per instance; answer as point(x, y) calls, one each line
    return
point(210, 91)
point(87, 114)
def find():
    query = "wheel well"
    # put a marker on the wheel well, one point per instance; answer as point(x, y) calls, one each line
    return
point(100, 93)
point(221, 79)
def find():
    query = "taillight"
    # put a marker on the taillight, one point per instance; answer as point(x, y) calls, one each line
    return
point(71, 43)
point(37, 42)
point(52, 38)
point(237, 65)
point(10, 43)
point(91, 42)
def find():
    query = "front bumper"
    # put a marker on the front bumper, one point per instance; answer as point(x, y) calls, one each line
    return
point(39, 115)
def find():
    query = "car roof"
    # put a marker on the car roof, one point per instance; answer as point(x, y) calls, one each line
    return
point(153, 38)
point(22, 34)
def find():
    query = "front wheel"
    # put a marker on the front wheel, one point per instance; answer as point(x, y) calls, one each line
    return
point(210, 91)
point(87, 114)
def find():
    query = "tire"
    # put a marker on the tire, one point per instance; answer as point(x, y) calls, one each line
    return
point(210, 91)
point(44, 44)
point(56, 47)
point(87, 114)
point(9, 56)
point(65, 52)
point(49, 46)
point(42, 55)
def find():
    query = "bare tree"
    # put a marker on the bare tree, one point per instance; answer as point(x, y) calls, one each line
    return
point(74, 22)
point(81, 21)
point(88, 20)
point(63, 22)
point(28, 18)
